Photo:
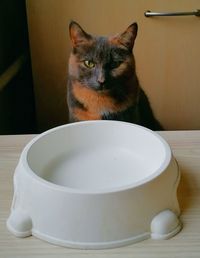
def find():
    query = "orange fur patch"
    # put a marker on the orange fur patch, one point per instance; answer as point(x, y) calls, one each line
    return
point(99, 102)
point(81, 115)
point(120, 70)
point(114, 40)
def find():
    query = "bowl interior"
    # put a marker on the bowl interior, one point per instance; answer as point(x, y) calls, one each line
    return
point(97, 155)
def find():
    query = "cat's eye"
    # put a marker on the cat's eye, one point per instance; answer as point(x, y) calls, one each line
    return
point(89, 64)
point(116, 64)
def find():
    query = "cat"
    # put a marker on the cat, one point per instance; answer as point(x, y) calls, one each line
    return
point(102, 83)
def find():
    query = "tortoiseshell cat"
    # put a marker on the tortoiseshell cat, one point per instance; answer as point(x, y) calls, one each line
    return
point(102, 80)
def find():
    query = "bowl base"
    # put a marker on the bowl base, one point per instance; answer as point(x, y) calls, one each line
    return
point(91, 245)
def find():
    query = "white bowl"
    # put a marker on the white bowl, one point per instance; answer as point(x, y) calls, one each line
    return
point(96, 184)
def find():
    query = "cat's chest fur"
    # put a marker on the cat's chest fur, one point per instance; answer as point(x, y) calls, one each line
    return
point(87, 104)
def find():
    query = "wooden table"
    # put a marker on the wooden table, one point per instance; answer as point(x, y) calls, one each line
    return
point(186, 149)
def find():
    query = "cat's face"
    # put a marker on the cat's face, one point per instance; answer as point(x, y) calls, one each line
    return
point(101, 63)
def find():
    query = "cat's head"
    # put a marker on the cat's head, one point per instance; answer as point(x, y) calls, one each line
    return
point(101, 63)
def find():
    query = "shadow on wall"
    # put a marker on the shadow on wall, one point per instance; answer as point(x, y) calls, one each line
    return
point(17, 110)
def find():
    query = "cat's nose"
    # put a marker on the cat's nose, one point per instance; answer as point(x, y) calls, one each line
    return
point(101, 78)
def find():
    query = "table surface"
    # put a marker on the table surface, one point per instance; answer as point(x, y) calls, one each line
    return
point(186, 148)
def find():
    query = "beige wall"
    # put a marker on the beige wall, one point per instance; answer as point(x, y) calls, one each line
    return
point(166, 50)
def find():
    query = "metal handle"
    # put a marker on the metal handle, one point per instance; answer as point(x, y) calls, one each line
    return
point(150, 14)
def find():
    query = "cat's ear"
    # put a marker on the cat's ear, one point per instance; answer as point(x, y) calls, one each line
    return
point(127, 38)
point(77, 34)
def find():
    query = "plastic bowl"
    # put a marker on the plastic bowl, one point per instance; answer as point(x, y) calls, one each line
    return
point(96, 184)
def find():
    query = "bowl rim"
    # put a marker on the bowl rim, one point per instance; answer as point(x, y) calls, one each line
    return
point(147, 179)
